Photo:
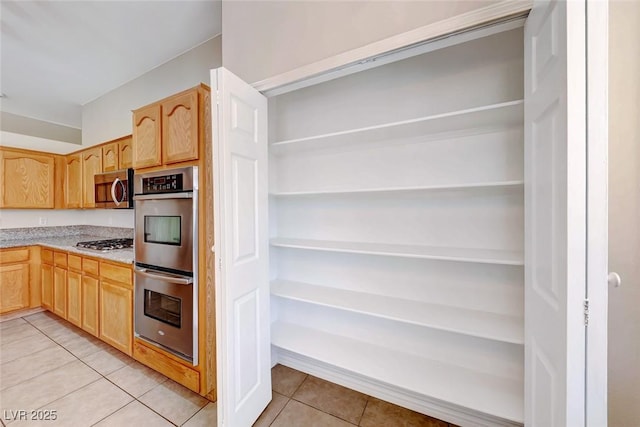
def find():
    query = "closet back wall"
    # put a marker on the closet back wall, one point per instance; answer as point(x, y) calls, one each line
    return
point(397, 228)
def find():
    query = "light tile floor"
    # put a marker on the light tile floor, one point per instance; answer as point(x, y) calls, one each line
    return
point(47, 364)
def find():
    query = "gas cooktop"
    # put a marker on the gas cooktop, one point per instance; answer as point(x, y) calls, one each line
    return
point(106, 245)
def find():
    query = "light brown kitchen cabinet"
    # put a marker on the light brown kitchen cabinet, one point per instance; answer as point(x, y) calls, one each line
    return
point(90, 308)
point(90, 296)
point(27, 179)
point(180, 127)
point(146, 137)
point(46, 280)
point(91, 165)
point(125, 152)
point(14, 286)
point(74, 290)
point(110, 157)
point(60, 291)
point(73, 181)
point(171, 130)
point(14, 279)
point(60, 284)
point(116, 306)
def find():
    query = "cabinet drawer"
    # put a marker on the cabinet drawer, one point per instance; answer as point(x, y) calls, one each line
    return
point(75, 262)
point(117, 273)
point(14, 255)
point(47, 256)
point(60, 259)
point(90, 266)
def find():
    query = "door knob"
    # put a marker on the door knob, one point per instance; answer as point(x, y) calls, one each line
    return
point(614, 279)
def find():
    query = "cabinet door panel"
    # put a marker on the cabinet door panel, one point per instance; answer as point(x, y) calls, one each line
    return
point(91, 165)
point(146, 137)
point(89, 305)
point(14, 287)
point(125, 153)
point(47, 286)
point(74, 301)
point(27, 180)
point(110, 157)
point(73, 181)
point(180, 128)
point(60, 292)
point(116, 316)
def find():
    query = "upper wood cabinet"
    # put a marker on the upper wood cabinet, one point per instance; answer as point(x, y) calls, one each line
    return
point(73, 181)
point(91, 165)
point(27, 179)
point(125, 153)
point(110, 155)
point(117, 154)
point(170, 130)
point(146, 137)
point(180, 128)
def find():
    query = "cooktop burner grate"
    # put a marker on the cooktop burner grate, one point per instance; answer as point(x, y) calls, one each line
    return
point(106, 245)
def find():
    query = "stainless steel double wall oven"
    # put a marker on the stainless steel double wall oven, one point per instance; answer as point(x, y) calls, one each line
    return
point(166, 260)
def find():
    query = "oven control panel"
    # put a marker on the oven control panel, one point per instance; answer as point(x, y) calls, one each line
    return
point(162, 184)
point(178, 180)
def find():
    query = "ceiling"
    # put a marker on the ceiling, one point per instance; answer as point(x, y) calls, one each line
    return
point(57, 56)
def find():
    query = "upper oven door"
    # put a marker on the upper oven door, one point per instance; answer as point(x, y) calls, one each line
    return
point(164, 232)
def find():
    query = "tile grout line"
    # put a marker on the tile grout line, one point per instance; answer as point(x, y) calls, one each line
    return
point(280, 411)
point(364, 409)
point(90, 367)
point(103, 376)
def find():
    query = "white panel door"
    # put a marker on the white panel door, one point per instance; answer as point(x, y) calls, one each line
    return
point(241, 246)
point(555, 214)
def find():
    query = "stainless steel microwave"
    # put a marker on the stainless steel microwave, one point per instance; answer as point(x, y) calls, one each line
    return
point(114, 190)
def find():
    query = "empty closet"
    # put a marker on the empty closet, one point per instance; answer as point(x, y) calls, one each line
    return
point(426, 239)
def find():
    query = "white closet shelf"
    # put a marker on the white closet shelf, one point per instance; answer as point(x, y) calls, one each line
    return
point(475, 323)
point(503, 114)
point(490, 394)
point(484, 256)
point(444, 187)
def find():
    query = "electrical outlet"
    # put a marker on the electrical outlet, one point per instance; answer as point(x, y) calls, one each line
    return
point(42, 221)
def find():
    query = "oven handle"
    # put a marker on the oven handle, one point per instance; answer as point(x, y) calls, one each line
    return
point(170, 279)
point(183, 195)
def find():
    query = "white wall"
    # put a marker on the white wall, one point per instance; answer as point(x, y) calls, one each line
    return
point(266, 38)
point(624, 212)
point(109, 116)
point(19, 218)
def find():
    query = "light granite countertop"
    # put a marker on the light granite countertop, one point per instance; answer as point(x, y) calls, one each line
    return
point(65, 238)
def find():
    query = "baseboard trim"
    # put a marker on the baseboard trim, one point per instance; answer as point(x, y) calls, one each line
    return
point(435, 408)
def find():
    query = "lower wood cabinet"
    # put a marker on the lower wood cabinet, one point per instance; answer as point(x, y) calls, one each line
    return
point(14, 287)
point(60, 291)
point(116, 315)
point(74, 297)
point(91, 296)
point(47, 286)
point(19, 279)
point(116, 305)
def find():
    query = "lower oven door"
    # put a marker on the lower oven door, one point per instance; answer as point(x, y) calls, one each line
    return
point(166, 312)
